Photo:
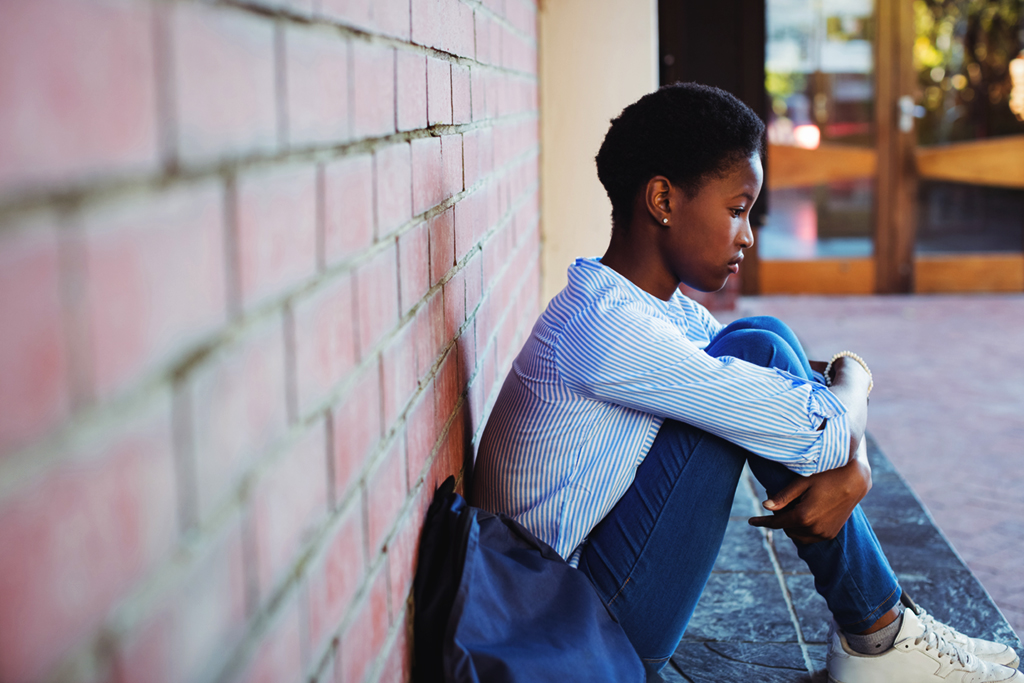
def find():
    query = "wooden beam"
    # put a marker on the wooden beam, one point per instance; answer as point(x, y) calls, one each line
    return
point(820, 276)
point(947, 273)
point(896, 188)
point(995, 161)
point(796, 167)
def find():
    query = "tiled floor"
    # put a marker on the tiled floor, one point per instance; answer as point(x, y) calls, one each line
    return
point(947, 409)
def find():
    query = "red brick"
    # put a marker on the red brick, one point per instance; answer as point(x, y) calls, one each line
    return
point(34, 394)
point(317, 87)
point(276, 230)
point(421, 432)
point(451, 156)
point(377, 298)
point(443, 24)
point(357, 429)
point(230, 109)
point(454, 304)
point(462, 109)
point(278, 655)
point(413, 267)
point(467, 349)
point(465, 224)
point(392, 17)
point(289, 504)
point(456, 450)
point(196, 623)
point(474, 283)
point(398, 373)
point(439, 92)
point(486, 150)
point(364, 639)
point(357, 13)
point(393, 168)
point(429, 334)
point(478, 92)
point(155, 280)
point(348, 207)
point(492, 82)
point(457, 31)
point(482, 28)
point(412, 90)
point(325, 342)
point(523, 17)
point(55, 127)
point(471, 157)
point(447, 387)
point(398, 666)
point(497, 38)
point(496, 6)
point(442, 245)
point(402, 555)
point(238, 401)
point(386, 491)
point(78, 538)
point(426, 16)
point(335, 576)
point(373, 78)
point(427, 174)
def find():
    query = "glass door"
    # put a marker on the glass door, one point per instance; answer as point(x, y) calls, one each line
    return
point(820, 78)
point(896, 146)
point(969, 101)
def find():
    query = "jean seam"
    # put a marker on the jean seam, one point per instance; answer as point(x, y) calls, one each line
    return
point(872, 615)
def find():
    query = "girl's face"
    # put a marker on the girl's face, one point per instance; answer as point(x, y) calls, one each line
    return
point(706, 235)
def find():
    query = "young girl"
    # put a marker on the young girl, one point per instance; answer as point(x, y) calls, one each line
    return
point(620, 433)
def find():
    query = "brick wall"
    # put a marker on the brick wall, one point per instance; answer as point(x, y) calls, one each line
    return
point(263, 266)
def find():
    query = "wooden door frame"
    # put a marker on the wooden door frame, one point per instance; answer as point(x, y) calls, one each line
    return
point(895, 210)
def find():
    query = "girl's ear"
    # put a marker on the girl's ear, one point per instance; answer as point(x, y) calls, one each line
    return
point(657, 195)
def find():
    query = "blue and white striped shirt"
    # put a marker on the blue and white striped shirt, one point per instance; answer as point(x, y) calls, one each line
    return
point(606, 363)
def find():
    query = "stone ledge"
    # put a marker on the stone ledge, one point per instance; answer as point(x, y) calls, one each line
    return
point(747, 627)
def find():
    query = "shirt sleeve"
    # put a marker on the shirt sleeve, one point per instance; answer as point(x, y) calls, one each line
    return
point(622, 354)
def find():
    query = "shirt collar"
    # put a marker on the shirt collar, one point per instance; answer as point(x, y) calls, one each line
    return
point(587, 272)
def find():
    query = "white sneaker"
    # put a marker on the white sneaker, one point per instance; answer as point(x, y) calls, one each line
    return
point(997, 653)
point(920, 655)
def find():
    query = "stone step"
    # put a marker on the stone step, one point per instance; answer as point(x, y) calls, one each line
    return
point(760, 618)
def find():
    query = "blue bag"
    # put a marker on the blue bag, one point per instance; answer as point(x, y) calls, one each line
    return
point(493, 604)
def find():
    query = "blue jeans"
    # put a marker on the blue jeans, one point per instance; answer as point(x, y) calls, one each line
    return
point(651, 556)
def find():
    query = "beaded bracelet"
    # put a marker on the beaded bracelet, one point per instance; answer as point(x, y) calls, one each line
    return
point(848, 354)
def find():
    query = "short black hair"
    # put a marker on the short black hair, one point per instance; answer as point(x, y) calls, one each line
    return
point(686, 132)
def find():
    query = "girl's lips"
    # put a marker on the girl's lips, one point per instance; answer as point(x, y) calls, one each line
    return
point(734, 268)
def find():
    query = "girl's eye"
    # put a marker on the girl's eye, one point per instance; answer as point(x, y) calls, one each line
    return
point(736, 213)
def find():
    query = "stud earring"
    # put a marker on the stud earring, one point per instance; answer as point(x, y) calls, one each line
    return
point(664, 220)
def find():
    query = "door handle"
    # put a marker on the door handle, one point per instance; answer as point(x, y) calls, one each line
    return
point(908, 112)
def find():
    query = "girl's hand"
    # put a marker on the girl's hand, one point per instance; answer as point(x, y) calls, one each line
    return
point(815, 508)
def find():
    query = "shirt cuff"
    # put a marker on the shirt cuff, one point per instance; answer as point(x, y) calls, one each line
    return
point(834, 443)
point(832, 447)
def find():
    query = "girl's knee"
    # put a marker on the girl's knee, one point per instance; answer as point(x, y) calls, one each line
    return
point(758, 346)
point(760, 322)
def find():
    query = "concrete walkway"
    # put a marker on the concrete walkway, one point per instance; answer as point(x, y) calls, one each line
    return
point(947, 409)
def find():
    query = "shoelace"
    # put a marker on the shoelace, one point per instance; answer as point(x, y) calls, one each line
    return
point(932, 639)
point(947, 632)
